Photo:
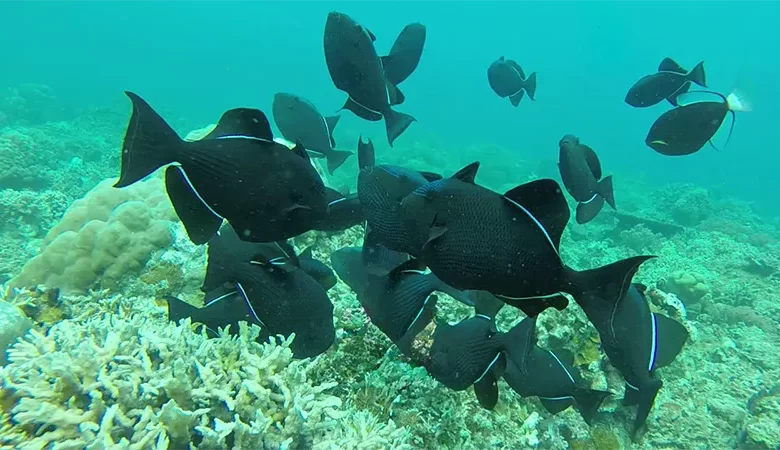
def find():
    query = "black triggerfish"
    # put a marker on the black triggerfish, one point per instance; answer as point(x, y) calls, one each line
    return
point(667, 83)
point(507, 79)
point(581, 175)
point(238, 173)
point(356, 69)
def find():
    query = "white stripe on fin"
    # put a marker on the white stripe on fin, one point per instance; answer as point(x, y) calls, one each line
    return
point(653, 342)
point(221, 297)
point(535, 297)
point(490, 366)
point(565, 397)
point(562, 367)
point(338, 200)
point(369, 109)
point(539, 224)
point(590, 199)
point(241, 136)
point(419, 313)
point(426, 271)
point(248, 303)
point(195, 191)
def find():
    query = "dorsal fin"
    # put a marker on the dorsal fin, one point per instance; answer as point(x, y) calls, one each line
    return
point(593, 161)
point(468, 173)
point(411, 265)
point(671, 338)
point(300, 150)
point(565, 356)
point(670, 65)
point(242, 122)
point(370, 35)
point(431, 176)
point(332, 195)
point(366, 156)
point(520, 342)
point(276, 255)
point(306, 254)
point(545, 203)
point(331, 122)
point(517, 67)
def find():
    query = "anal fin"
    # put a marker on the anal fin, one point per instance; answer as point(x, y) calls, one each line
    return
point(200, 221)
point(426, 315)
point(361, 111)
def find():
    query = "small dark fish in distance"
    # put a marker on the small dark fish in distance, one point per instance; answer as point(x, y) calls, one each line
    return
point(472, 353)
point(405, 54)
point(686, 129)
point(236, 173)
point(344, 211)
point(380, 190)
point(581, 175)
point(401, 303)
point(532, 371)
point(670, 65)
point(356, 69)
point(299, 120)
point(270, 289)
point(507, 79)
point(508, 245)
point(637, 342)
point(667, 83)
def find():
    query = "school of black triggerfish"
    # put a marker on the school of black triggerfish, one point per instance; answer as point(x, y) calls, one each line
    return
point(424, 232)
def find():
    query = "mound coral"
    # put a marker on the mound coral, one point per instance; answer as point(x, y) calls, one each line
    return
point(103, 237)
point(139, 382)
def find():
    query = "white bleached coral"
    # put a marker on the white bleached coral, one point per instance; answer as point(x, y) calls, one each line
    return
point(138, 382)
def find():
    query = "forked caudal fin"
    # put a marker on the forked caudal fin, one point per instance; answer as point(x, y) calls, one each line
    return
point(530, 86)
point(697, 75)
point(149, 143)
point(396, 123)
point(601, 288)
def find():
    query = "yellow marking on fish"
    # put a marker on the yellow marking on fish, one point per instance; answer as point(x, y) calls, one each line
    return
point(660, 142)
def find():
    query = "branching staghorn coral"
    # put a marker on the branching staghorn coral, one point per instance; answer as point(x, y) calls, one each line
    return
point(137, 382)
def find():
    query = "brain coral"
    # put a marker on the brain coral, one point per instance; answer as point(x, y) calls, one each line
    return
point(102, 237)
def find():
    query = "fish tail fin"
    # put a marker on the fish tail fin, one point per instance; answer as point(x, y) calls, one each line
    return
point(697, 75)
point(601, 288)
point(366, 154)
point(589, 401)
point(604, 189)
point(396, 123)
point(149, 143)
point(646, 399)
point(336, 158)
point(530, 86)
point(515, 98)
point(587, 211)
point(738, 101)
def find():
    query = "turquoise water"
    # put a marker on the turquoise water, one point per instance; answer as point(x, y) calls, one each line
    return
point(88, 266)
point(197, 59)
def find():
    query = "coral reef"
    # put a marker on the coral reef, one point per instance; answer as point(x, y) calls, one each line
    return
point(102, 238)
point(13, 325)
point(136, 381)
